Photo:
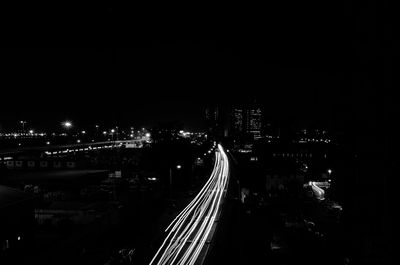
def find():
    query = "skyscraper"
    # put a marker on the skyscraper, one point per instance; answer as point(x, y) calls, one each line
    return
point(247, 122)
point(238, 120)
point(254, 122)
point(213, 121)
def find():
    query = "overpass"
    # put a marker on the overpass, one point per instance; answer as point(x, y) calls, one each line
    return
point(70, 148)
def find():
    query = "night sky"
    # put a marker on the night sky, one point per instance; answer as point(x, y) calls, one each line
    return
point(297, 60)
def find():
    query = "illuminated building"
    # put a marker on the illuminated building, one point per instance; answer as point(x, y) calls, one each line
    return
point(254, 122)
point(247, 122)
point(238, 120)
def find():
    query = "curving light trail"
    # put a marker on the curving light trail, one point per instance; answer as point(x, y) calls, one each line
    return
point(190, 230)
point(320, 193)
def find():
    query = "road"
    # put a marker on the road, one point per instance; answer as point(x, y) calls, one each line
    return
point(190, 232)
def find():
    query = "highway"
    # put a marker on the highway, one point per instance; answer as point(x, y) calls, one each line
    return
point(193, 227)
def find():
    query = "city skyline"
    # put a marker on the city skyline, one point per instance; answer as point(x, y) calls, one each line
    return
point(241, 135)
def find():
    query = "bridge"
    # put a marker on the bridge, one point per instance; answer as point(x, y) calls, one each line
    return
point(70, 148)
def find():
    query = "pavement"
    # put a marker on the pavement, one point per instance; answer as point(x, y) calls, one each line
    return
point(190, 233)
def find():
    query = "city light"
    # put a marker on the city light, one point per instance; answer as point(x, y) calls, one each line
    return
point(178, 166)
point(67, 124)
point(31, 131)
point(329, 171)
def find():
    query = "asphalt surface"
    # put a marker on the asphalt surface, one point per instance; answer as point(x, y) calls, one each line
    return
point(190, 233)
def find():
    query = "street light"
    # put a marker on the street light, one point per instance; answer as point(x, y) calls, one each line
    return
point(170, 176)
point(67, 124)
point(329, 171)
point(23, 125)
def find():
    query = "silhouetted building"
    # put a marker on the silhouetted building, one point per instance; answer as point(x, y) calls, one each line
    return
point(17, 220)
point(214, 121)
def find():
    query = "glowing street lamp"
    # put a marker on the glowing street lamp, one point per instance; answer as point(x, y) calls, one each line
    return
point(23, 125)
point(112, 134)
point(171, 176)
point(329, 171)
point(67, 124)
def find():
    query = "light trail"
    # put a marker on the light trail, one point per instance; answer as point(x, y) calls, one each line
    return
point(190, 230)
point(317, 190)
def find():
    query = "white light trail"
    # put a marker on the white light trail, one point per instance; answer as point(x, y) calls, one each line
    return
point(317, 190)
point(189, 231)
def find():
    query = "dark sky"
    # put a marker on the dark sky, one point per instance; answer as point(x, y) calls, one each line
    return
point(297, 60)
